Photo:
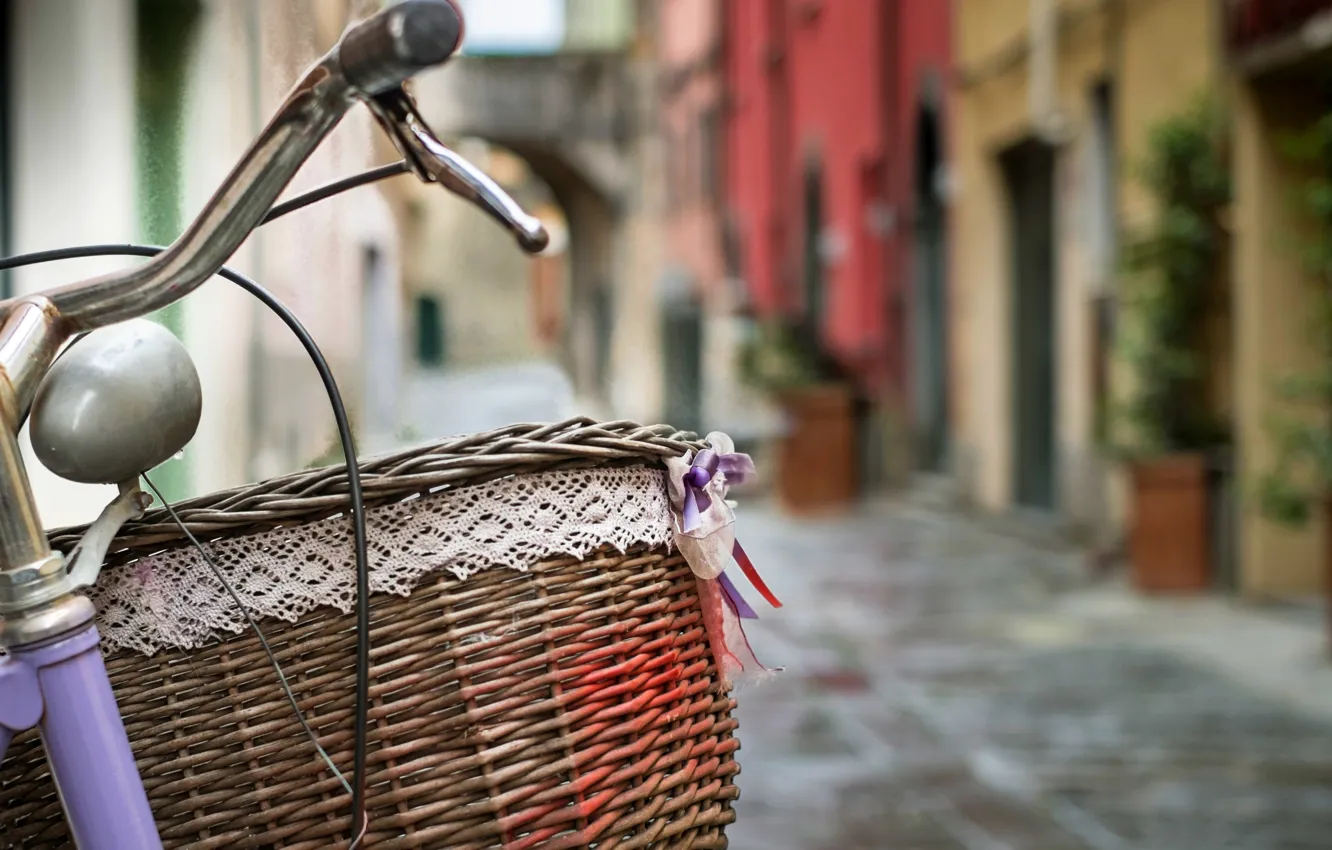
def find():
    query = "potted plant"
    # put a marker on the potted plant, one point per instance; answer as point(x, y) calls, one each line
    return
point(1299, 483)
point(815, 458)
point(1172, 270)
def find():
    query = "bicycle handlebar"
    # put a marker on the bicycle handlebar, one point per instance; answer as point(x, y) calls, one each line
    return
point(403, 40)
point(371, 58)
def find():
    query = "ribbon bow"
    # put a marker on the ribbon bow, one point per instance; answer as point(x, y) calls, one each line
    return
point(704, 526)
point(705, 534)
point(734, 467)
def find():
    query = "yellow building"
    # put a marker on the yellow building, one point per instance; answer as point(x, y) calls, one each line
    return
point(1278, 85)
point(1054, 101)
point(1053, 104)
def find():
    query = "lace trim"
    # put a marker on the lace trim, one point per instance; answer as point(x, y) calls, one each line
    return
point(173, 600)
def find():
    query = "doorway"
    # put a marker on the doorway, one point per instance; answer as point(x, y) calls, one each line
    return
point(682, 352)
point(929, 338)
point(1029, 175)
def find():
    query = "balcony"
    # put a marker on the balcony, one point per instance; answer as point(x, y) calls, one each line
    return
point(1264, 35)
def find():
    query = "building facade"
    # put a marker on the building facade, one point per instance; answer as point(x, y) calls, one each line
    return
point(1054, 108)
point(838, 148)
point(1277, 87)
point(171, 94)
point(700, 296)
point(1054, 105)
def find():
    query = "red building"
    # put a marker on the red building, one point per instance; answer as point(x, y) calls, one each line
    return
point(834, 140)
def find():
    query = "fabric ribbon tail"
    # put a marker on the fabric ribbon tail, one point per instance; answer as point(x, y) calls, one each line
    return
point(689, 516)
point(736, 642)
point(747, 567)
point(737, 602)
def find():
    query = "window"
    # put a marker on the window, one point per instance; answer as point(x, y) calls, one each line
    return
point(431, 341)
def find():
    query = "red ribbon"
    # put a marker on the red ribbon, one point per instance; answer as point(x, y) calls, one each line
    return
point(747, 567)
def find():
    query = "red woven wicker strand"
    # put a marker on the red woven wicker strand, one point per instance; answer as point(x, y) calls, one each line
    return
point(574, 705)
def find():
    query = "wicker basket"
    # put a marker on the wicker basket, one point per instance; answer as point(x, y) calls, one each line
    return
point(597, 718)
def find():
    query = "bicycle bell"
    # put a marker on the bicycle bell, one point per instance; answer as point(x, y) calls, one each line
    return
point(117, 403)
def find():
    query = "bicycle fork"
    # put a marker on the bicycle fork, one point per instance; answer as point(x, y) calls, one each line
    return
point(61, 687)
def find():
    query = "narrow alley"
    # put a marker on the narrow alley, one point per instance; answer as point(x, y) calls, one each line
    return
point(951, 687)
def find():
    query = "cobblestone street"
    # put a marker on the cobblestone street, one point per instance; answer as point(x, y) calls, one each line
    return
point(948, 687)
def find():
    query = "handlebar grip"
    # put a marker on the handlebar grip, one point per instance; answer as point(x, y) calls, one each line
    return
point(410, 36)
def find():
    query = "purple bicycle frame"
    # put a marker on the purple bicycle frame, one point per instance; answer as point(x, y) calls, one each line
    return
point(62, 688)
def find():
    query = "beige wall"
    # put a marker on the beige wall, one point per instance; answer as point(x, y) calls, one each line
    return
point(1271, 306)
point(984, 28)
point(991, 114)
point(74, 71)
point(637, 390)
point(1169, 57)
point(1166, 58)
point(259, 388)
point(72, 160)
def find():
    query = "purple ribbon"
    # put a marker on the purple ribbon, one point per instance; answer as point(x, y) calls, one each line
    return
point(735, 467)
point(738, 604)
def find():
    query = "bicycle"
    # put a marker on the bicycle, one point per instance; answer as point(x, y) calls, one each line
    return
point(54, 677)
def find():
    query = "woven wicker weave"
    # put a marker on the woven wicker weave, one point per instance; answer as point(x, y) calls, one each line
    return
point(573, 705)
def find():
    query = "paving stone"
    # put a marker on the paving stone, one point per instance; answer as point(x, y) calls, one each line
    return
point(938, 697)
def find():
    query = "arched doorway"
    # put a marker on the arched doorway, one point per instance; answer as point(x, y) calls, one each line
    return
point(929, 310)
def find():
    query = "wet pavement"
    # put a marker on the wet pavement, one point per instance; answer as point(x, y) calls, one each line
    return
point(949, 687)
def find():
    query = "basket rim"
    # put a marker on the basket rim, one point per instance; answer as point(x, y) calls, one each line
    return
point(447, 464)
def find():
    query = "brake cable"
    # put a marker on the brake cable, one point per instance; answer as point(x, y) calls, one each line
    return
point(360, 813)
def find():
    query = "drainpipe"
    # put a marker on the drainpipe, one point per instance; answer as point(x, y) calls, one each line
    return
point(898, 158)
point(255, 384)
point(164, 31)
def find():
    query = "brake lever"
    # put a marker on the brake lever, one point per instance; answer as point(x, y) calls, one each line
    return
point(432, 162)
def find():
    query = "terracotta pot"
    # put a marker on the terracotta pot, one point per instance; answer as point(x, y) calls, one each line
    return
point(816, 457)
point(1168, 543)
